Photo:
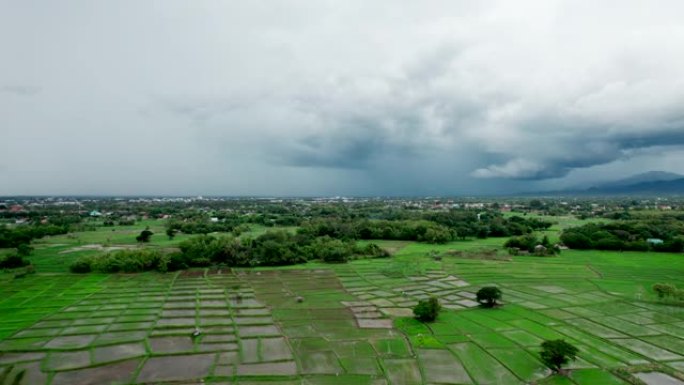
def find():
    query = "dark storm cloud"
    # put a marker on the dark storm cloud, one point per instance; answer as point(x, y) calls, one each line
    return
point(557, 151)
point(343, 97)
point(356, 135)
point(348, 152)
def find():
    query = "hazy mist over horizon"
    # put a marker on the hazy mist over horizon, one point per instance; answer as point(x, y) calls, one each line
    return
point(327, 98)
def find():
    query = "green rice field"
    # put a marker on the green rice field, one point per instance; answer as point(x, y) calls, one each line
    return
point(352, 325)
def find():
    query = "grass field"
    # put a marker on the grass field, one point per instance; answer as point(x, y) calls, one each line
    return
point(353, 326)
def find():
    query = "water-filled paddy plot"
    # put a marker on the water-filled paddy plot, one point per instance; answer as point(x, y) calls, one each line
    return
point(339, 324)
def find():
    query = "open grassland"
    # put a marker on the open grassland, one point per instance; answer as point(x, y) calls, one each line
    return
point(353, 324)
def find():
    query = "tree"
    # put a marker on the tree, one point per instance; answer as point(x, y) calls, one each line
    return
point(24, 250)
point(556, 353)
point(576, 240)
point(437, 235)
point(12, 262)
point(525, 242)
point(170, 232)
point(331, 250)
point(487, 296)
point(240, 229)
point(144, 236)
point(427, 310)
point(81, 265)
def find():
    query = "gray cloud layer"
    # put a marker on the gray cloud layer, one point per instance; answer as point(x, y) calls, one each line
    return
point(299, 97)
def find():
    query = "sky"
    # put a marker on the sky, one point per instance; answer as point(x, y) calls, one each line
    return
point(345, 97)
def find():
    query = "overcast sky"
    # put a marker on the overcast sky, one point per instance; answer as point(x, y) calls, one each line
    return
point(336, 97)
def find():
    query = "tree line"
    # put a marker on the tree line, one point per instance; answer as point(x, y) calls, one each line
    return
point(273, 248)
point(663, 236)
point(435, 228)
point(24, 234)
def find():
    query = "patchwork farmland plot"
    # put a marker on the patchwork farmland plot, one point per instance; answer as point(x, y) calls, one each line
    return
point(345, 324)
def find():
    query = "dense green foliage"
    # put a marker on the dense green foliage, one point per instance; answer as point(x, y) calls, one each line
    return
point(668, 291)
point(556, 353)
point(487, 296)
point(201, 226)
point(24, 234)
point(12, 262)
point(270, 249)
point(427, 310)
point(124, 261)
point(530, 243)
point(24, 250)
point(273, 248)
point(81, 265)
point(525, 242)
point(379, 229)
point(636, 235)
point(439, 227)
point(144, 236)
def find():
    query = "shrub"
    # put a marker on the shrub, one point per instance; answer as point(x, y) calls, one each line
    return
point(665, 290)
point(81, 265)
point(335, 255)
point(375, 251)
point(556, 353)
point(525, 242)
point(437, 235)
point(609, 243)
point(675, 245)
point(176, 261)
point(24, 250)
point(576, 241)
point(487, 296)
point(240, 229)
point(679, 294)
point(200, 262)
point(427, 310)
point(12, 262)
point(24, 272)
point(636, 246)
point(332, 250)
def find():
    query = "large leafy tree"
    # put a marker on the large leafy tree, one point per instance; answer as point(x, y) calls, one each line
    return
point(556, 353)
point(144, 236)
point(427, 309)
point(487, 296)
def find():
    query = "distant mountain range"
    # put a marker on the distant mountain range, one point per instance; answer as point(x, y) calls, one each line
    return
point(648, 183)
point(647, 177)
